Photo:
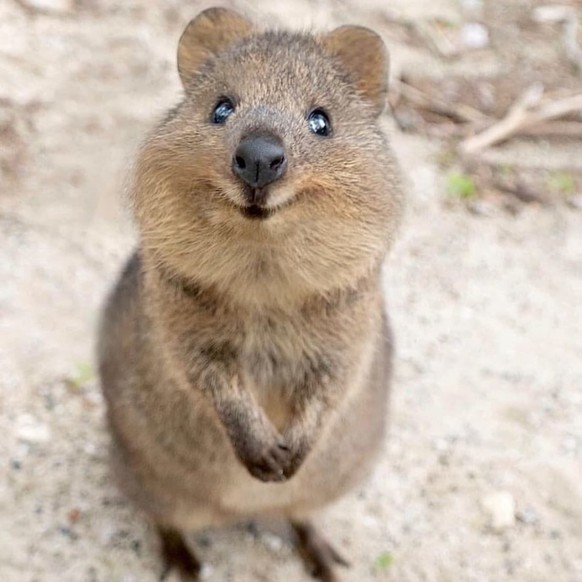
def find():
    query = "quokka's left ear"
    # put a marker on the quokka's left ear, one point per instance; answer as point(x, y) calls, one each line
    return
point(362, 54)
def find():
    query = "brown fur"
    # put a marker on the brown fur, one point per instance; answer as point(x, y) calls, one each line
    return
point(237, 351)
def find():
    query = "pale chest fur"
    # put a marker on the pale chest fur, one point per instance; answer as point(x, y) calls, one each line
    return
point(277, 353)
point(279, 356)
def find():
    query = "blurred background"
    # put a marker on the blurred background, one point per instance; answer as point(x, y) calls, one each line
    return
point(480, 479)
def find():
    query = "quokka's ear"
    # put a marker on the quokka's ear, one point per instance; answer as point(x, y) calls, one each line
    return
point(362, 54)
point(209, 33)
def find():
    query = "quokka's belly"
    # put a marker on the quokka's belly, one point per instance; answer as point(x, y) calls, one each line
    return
point(192, 478)
point(343, 458)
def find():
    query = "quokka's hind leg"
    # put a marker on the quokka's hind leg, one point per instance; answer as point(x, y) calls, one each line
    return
point(318, 554)
point(176, 555)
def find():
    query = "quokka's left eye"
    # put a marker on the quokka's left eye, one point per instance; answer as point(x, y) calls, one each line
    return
point(319, 123)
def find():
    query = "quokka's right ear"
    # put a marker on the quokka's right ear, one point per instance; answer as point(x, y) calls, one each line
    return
point(209, 33)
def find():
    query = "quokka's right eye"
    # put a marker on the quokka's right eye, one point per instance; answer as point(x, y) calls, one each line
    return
point(222, 110)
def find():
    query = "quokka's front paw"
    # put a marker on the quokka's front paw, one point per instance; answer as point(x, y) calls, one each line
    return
point(268, 462)
point(277, 462)
point(299, 444)
point(266, 454)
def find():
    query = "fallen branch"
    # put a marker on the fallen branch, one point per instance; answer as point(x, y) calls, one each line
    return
point(554, 129)
point(521, 192)
point(527, 112)
point(438, 37)
point(567, 16)
point(459, 112)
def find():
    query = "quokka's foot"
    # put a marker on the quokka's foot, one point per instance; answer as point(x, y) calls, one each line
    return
point(319, 555)
point(177, 556)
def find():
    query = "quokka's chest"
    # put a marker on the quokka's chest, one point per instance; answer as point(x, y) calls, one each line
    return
point(283, 353)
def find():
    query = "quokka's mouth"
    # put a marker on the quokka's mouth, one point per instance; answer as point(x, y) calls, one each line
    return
point(254, 211)
point(254, 204)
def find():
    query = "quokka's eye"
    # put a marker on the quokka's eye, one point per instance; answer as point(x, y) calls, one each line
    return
point(319, 123)
point(222, 110)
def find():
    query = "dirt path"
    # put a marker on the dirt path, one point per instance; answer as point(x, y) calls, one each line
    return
point(487, 310)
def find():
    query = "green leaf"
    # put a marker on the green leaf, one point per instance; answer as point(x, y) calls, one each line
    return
point(384, 561)
point(562, 182)
point(460, 185)
point(83, 374)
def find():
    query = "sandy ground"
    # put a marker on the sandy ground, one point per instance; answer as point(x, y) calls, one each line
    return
point(487, 311)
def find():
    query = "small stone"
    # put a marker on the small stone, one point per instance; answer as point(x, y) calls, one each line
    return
point(441, 445)
point(481, 208)
point(49, 6)
point(575, 201)
point(273, 542)
point(474, 36)
point(369, 520)
point(30, 430)
point(206, 572)
point(90, 449)
point(473, 7)
point(570, 444)
point(500, 508)
point(528, 516)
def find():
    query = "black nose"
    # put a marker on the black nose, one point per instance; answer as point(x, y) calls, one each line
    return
point(259, 160)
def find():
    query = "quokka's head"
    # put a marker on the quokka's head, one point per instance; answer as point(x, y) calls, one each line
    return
point(277, 140)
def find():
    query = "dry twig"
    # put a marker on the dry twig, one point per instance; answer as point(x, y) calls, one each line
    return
point(554, 129)
point(567, 16)
point(458, 112)
point(521, 192)
point(529, 111)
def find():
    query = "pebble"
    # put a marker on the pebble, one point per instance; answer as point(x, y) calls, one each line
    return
point(500, 509)
point(482, 208)
point(474, 7)
point(206, 572)
point(474, 36)
point(570, 444)
point(528, 516)
point(49, 6)
point(90, 449)
point(441, 445)
point(30, 430)
point(370, 521)
point(576, 201)
point(273, 542)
